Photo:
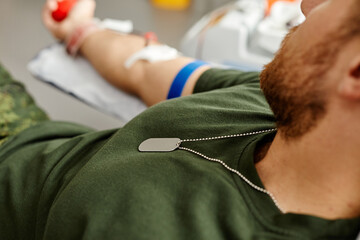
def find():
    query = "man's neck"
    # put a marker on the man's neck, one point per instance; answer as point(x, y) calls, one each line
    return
point(318, 174)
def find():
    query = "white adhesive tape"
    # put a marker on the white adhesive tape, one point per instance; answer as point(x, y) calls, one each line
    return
point(153, 53)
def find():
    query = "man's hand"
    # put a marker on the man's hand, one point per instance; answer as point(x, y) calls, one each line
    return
point(82, 12)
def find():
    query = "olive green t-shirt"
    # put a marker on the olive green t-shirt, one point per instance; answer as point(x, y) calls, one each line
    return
point(64, 181)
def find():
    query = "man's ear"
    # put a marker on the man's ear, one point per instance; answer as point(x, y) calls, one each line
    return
point(350, 85)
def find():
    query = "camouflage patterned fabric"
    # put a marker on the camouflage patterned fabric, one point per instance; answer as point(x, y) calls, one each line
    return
point(18, 110)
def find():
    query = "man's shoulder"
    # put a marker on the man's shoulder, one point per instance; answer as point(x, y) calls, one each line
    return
point(217, 78)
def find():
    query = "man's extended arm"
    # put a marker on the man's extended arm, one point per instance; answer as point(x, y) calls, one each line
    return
point(107, 51)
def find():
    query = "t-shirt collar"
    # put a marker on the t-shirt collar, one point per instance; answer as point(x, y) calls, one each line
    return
point(269, 215)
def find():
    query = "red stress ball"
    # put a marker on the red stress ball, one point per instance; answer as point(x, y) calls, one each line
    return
point(63, 9)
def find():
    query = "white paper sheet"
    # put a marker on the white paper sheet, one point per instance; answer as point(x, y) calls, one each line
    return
point(77, 77)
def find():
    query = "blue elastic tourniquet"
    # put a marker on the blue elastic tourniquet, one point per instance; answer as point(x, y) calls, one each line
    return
point(182, 77)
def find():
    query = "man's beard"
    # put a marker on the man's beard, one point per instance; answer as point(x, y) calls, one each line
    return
point(293, 84)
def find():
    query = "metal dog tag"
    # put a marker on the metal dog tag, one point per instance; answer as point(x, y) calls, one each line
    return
point(160, 145)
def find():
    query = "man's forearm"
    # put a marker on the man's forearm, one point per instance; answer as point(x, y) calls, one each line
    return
point(107, 51)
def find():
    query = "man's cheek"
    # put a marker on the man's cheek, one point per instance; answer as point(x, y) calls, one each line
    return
point(308, 5)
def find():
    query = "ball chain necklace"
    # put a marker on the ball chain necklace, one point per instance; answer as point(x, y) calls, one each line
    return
point(171, 144)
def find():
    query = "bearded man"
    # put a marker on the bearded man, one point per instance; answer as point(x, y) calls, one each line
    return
point(214, 164)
